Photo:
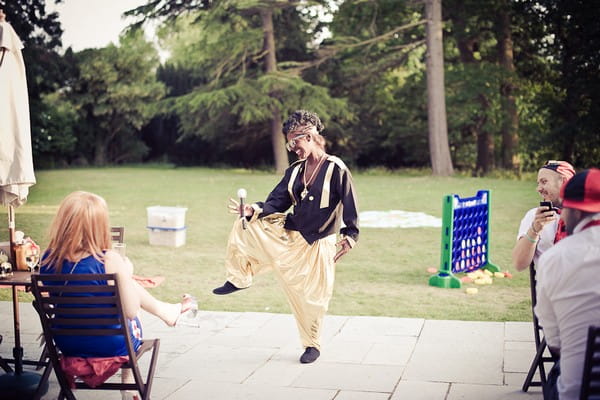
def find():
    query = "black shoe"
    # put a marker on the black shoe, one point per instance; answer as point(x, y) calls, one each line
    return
point(310, 355)
point(227, 288)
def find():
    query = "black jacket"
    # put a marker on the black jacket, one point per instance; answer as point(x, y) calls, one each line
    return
point(331, 201)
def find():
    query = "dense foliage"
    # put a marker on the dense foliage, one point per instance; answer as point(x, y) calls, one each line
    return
point(522, 83)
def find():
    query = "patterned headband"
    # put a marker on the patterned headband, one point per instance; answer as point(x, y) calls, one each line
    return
point(562, 167)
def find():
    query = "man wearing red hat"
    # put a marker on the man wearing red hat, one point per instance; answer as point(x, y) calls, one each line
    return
point(540, 228)
point(568, 292)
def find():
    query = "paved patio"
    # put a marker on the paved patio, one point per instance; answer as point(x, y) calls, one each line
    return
point(229, 355)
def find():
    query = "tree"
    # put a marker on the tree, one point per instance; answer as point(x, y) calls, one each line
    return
point(280, 155)
point(237, 47)
point(478, 82)
point(565, 35)
point(375, 59)
point(46, 71)
point(510, 121)
point(55, 142)
point(438, 131)
point(34, 26)
point(114, 94)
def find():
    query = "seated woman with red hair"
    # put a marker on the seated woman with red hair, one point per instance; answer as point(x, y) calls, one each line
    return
point(80, 243)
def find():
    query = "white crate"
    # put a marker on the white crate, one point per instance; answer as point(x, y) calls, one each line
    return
point(166, 236)
point(166, 217)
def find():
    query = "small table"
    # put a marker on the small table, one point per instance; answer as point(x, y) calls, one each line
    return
point(19, 382)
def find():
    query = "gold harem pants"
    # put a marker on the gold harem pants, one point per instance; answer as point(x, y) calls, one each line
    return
point(306, 272)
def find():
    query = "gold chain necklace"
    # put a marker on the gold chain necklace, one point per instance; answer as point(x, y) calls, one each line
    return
point(306, 183)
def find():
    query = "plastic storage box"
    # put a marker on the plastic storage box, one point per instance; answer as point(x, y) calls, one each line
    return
point(166, 225)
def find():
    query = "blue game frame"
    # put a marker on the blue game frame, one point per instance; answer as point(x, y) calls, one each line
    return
point(465, 238)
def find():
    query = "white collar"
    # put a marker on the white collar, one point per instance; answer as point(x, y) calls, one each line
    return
point(585, 221)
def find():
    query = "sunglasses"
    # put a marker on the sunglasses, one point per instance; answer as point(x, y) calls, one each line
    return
point(291, 144)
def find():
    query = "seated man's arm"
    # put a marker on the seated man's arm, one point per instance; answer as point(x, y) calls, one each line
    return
point(523, 253)
point(527, 239)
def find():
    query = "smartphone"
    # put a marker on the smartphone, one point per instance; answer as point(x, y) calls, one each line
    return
point(547, 204)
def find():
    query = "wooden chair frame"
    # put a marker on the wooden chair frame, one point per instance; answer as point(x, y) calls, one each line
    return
point(117, 235)
point(540, 341)
point(590, 381)
point(102, 312)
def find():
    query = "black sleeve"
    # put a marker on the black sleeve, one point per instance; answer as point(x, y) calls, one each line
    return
point(350, 205)
point(279, 199)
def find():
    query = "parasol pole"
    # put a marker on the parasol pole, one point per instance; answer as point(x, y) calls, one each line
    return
point(17, 350)
point(11, 234)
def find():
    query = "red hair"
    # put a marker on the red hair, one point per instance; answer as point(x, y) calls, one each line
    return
point(81, 226)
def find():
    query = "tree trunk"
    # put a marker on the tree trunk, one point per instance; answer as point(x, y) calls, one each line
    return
point(467, 44)
point(510, 123)
point(485, 153)
point(100, 146)
point(441, 162)
point(568, 109)
point(277, 140)
point(485, 141)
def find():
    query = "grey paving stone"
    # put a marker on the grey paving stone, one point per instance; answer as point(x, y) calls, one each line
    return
point(277, 332)
point(218, 363)
point(278, 373)
point(489, 392)
point(200, 389)
point(332, 326)
point(420, 390)
point(233, 355)
point(345, 352)
point(398, 353)
point(350, 395)
point(371, 378)
point(518, 378)
point(380, 329)
point(518, 331)
point(164, 387)
point(518, 356)
point(458, 351)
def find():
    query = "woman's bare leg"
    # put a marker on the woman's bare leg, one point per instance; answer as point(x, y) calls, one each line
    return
point(168, 312)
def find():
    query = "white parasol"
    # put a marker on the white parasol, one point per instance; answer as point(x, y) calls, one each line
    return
point(16, 160)
point(16, 176)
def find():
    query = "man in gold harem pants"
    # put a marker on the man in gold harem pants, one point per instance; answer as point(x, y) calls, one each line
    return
point(300, 246)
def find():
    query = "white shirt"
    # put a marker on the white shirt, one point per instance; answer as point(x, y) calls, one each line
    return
point(568, 300)
point(546, 235)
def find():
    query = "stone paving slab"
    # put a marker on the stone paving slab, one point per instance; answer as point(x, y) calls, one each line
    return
point(458, 351)
point(420, 390)
point(200, 389)
point(350, 395)
point(518, 331)
point(518, 356)
point(222, 355)
point(356, 377)
point(489, 392)
point(277, 373)
point(218, 363)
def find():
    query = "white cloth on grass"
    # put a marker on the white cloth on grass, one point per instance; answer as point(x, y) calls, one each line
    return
point(398, 219)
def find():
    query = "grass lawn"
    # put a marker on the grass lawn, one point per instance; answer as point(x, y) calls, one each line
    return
point(385, 274)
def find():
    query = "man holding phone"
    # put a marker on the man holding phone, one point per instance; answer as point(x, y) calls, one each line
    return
point(540, 227)
point(568, 294)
